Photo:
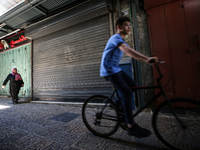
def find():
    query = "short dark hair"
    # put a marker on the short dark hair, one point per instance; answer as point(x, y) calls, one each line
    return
point(121, 20)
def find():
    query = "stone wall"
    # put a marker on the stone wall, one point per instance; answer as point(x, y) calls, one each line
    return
point(147, 73)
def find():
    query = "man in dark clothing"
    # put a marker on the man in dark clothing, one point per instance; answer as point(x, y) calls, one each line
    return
point(16, 83)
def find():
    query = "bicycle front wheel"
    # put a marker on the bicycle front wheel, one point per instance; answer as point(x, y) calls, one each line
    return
point(100, 116)
point(183, 134)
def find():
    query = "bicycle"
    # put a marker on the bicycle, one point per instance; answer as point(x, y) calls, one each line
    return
point(182, 125)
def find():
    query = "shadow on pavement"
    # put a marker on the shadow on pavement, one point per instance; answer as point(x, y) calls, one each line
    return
point(137, 144)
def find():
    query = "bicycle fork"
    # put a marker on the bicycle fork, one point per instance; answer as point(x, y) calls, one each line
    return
point(174, 114)
point(168, 101)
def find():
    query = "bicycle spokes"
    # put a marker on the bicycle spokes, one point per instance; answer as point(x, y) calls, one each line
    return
point(179, 129)
point(99, 117)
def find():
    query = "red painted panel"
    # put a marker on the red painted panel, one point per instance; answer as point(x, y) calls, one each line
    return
point(159, 44)
point(192, 14)
point(153, 3)
point(179, 46)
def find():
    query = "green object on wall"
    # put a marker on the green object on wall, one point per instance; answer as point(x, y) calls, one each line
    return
point(19, 58)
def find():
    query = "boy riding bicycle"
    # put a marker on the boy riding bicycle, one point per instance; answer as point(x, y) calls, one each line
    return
point(113, 52)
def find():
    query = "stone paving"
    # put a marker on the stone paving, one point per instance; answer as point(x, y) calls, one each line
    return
point(31, 125)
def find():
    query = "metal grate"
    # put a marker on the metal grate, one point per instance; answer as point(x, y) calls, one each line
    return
point(65, 117)
point(52, 4)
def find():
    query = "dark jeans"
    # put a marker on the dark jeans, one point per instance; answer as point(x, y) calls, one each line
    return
point(122, 82)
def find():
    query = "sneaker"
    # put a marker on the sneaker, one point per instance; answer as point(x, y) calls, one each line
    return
point(138, 132)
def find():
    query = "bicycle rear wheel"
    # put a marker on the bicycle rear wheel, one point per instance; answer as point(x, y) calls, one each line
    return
point(100, 116)
point(170, 131)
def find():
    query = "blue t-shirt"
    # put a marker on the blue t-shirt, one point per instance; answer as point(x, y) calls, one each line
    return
point(112, 56)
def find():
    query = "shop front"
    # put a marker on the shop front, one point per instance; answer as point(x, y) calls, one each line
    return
point(15, 52)
point(67, 50)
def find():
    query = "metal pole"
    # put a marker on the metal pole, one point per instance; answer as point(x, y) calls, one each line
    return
point(119, 8)
point(137, 64)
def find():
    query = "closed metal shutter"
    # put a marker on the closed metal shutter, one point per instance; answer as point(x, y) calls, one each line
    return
point(66, 63)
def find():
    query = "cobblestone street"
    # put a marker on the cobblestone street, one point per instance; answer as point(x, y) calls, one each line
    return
point(44, 126)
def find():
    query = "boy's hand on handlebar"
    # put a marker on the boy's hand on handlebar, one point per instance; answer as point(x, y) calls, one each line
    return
point(152, 60)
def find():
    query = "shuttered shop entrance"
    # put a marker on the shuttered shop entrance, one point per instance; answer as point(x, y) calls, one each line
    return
point(66, 63)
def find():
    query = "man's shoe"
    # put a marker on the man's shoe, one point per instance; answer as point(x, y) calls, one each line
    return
point(14, 101)
point(138, 132)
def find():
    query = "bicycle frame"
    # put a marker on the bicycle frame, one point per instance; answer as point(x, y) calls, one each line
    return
point(159, 86)
point(150, 101)
point(162, 92)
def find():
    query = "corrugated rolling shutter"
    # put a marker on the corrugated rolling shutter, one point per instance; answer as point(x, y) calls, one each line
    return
point(66, 63)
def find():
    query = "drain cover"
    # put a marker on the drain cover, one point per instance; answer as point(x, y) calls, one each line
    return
point(65, 117)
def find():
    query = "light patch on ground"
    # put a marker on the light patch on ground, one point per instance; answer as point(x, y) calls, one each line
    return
point(4, 107)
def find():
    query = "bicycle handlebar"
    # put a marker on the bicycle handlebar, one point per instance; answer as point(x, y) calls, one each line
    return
point(157, 67)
